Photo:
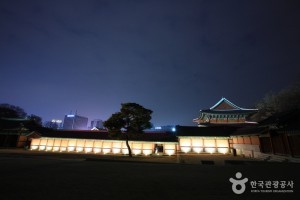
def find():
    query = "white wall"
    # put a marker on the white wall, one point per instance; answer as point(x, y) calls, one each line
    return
point(204, 144)
point(100, 146)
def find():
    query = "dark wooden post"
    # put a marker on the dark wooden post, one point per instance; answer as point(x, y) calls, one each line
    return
point(271, 141)
point(289, 144)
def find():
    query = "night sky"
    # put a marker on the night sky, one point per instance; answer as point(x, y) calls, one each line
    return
point(173, 57)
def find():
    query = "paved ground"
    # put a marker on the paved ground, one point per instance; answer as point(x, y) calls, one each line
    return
point(38, 175)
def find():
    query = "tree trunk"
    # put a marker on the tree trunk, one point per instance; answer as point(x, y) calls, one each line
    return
point(128, 147)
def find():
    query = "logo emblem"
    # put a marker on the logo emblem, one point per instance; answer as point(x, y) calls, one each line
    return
point(238, 181)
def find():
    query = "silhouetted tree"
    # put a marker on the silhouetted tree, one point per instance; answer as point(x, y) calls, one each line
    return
point(11, 111)
point(282, 102)
point(36, 119)
point(133, 118)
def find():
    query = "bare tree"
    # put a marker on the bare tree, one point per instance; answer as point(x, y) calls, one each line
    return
point(284, 101)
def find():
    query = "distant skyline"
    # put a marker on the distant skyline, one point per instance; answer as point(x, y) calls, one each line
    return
point(174, 57)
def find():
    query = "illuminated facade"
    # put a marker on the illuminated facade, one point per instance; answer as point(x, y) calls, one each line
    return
point(223, 112)
point(99, 142)
point(75, 122)
point(189, 140)
point(98, 146)
point(204, 139)
point(204, 144)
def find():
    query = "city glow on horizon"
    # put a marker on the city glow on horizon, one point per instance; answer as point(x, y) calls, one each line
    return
point(56, 121)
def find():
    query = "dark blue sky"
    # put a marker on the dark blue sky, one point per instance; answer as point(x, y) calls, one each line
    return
point(173, 57)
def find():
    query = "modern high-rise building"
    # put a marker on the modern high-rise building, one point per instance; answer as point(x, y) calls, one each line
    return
point(97, 123)
point(75, 122)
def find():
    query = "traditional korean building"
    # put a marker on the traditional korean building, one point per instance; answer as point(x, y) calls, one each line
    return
point(224, 113)
point(222, 129)
point(14, 133)
point(99, 142)
point(276, 138)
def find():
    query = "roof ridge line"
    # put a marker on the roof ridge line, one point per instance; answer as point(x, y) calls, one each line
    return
point(230, 103)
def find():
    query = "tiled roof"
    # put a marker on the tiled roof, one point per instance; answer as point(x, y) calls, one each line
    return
point(226, 105)
point(216, 131)
point(227, 111)
point(250, 130)
point(77, 134)
point(104, 135)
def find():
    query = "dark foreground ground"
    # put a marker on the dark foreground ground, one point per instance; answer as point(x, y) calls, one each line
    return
point(47, 176)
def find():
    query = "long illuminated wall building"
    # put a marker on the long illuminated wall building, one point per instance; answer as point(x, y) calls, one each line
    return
point(222, 129)
point(98, 142)
point(212, 136)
